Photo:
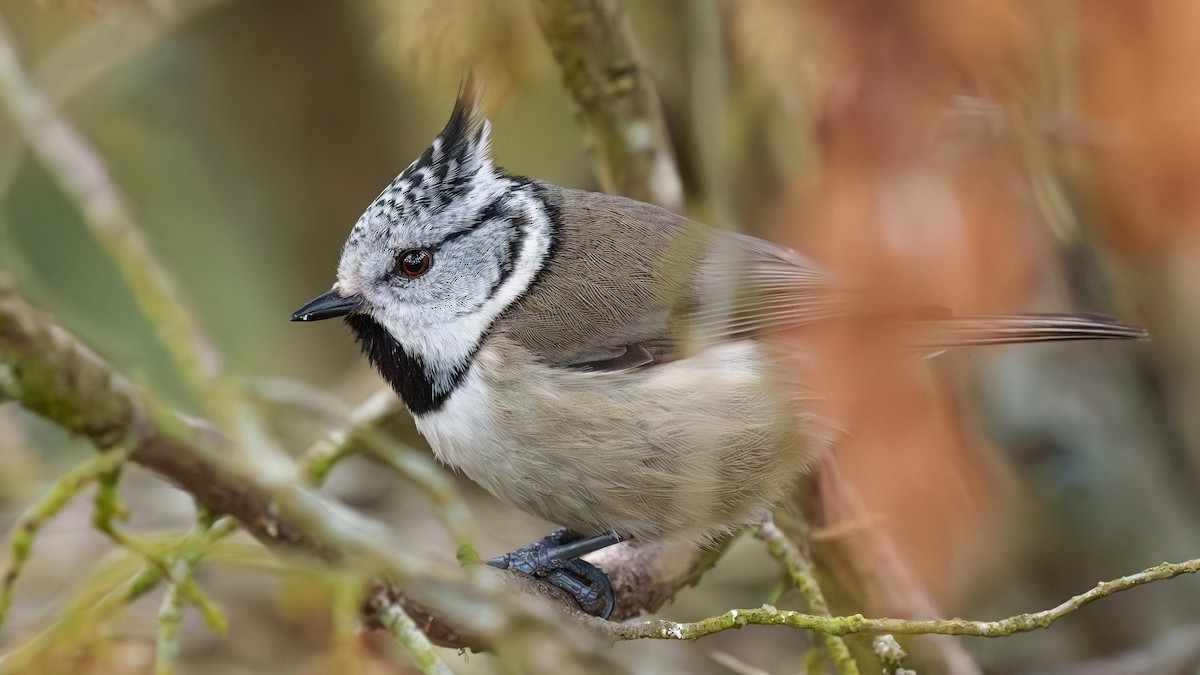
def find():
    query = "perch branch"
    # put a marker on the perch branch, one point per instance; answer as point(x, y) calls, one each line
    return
point(849, 625)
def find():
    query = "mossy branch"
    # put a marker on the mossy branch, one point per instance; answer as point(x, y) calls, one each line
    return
point(856, 624)
point(409, 634)
point(800, 572)
point(593, 44)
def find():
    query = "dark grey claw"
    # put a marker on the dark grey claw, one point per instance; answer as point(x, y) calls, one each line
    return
point(555, 558)
point(587, 584)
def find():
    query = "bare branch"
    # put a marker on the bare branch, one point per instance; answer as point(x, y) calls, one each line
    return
point(594, 46)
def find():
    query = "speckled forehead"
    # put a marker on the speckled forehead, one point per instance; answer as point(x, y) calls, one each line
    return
point(396, 204)
point(394, 221)
point(437, 182)
point(436, 191)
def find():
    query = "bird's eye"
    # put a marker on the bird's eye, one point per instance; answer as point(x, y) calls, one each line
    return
point(414, 262)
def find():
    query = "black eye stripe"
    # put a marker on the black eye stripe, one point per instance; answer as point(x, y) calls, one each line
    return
point(489, 213)
point(516, 242)
point(457, 234)
point(494, 210)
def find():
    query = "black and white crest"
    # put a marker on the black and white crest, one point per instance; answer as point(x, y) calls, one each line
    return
point(449, 166)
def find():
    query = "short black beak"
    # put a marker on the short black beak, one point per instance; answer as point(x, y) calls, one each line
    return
point(326, 306)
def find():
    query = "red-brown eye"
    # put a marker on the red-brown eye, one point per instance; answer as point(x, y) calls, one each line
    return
point(414, 262)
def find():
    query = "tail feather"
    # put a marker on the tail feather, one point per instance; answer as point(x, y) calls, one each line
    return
point(974, 331)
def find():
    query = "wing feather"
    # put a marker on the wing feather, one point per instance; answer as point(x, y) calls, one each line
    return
point(633, 285)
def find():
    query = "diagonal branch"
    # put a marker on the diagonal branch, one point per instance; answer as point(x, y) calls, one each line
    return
point(803, 576)
point(83, 175)
point(51, 373)
point(593, 44)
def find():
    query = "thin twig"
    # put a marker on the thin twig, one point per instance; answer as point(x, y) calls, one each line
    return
point(25, 530)
point(363, 430)
point(435, 482)
point(320, 459)
point(346, 605)
point(415, 642)
point(850, 625)
point(176, 563)
point(287, 392)
point(803, 577)
point(170, 621)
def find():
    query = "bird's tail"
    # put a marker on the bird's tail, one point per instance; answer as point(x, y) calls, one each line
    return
point(973, 331)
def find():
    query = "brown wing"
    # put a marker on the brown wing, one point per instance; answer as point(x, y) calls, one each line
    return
point(750, 286)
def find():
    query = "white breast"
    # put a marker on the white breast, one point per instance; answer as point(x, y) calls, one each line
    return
point(682, 449)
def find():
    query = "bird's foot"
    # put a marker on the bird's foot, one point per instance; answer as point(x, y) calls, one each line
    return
point(555, 558)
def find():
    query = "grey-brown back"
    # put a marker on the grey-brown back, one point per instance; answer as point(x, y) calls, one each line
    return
point(620, 277)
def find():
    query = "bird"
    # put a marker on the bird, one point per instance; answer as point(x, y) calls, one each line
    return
point(596, 361)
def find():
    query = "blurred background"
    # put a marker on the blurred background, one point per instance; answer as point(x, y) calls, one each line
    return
point(993, 156)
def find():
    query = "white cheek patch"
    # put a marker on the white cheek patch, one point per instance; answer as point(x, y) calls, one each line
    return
point(536, 233)
point(447, 340)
